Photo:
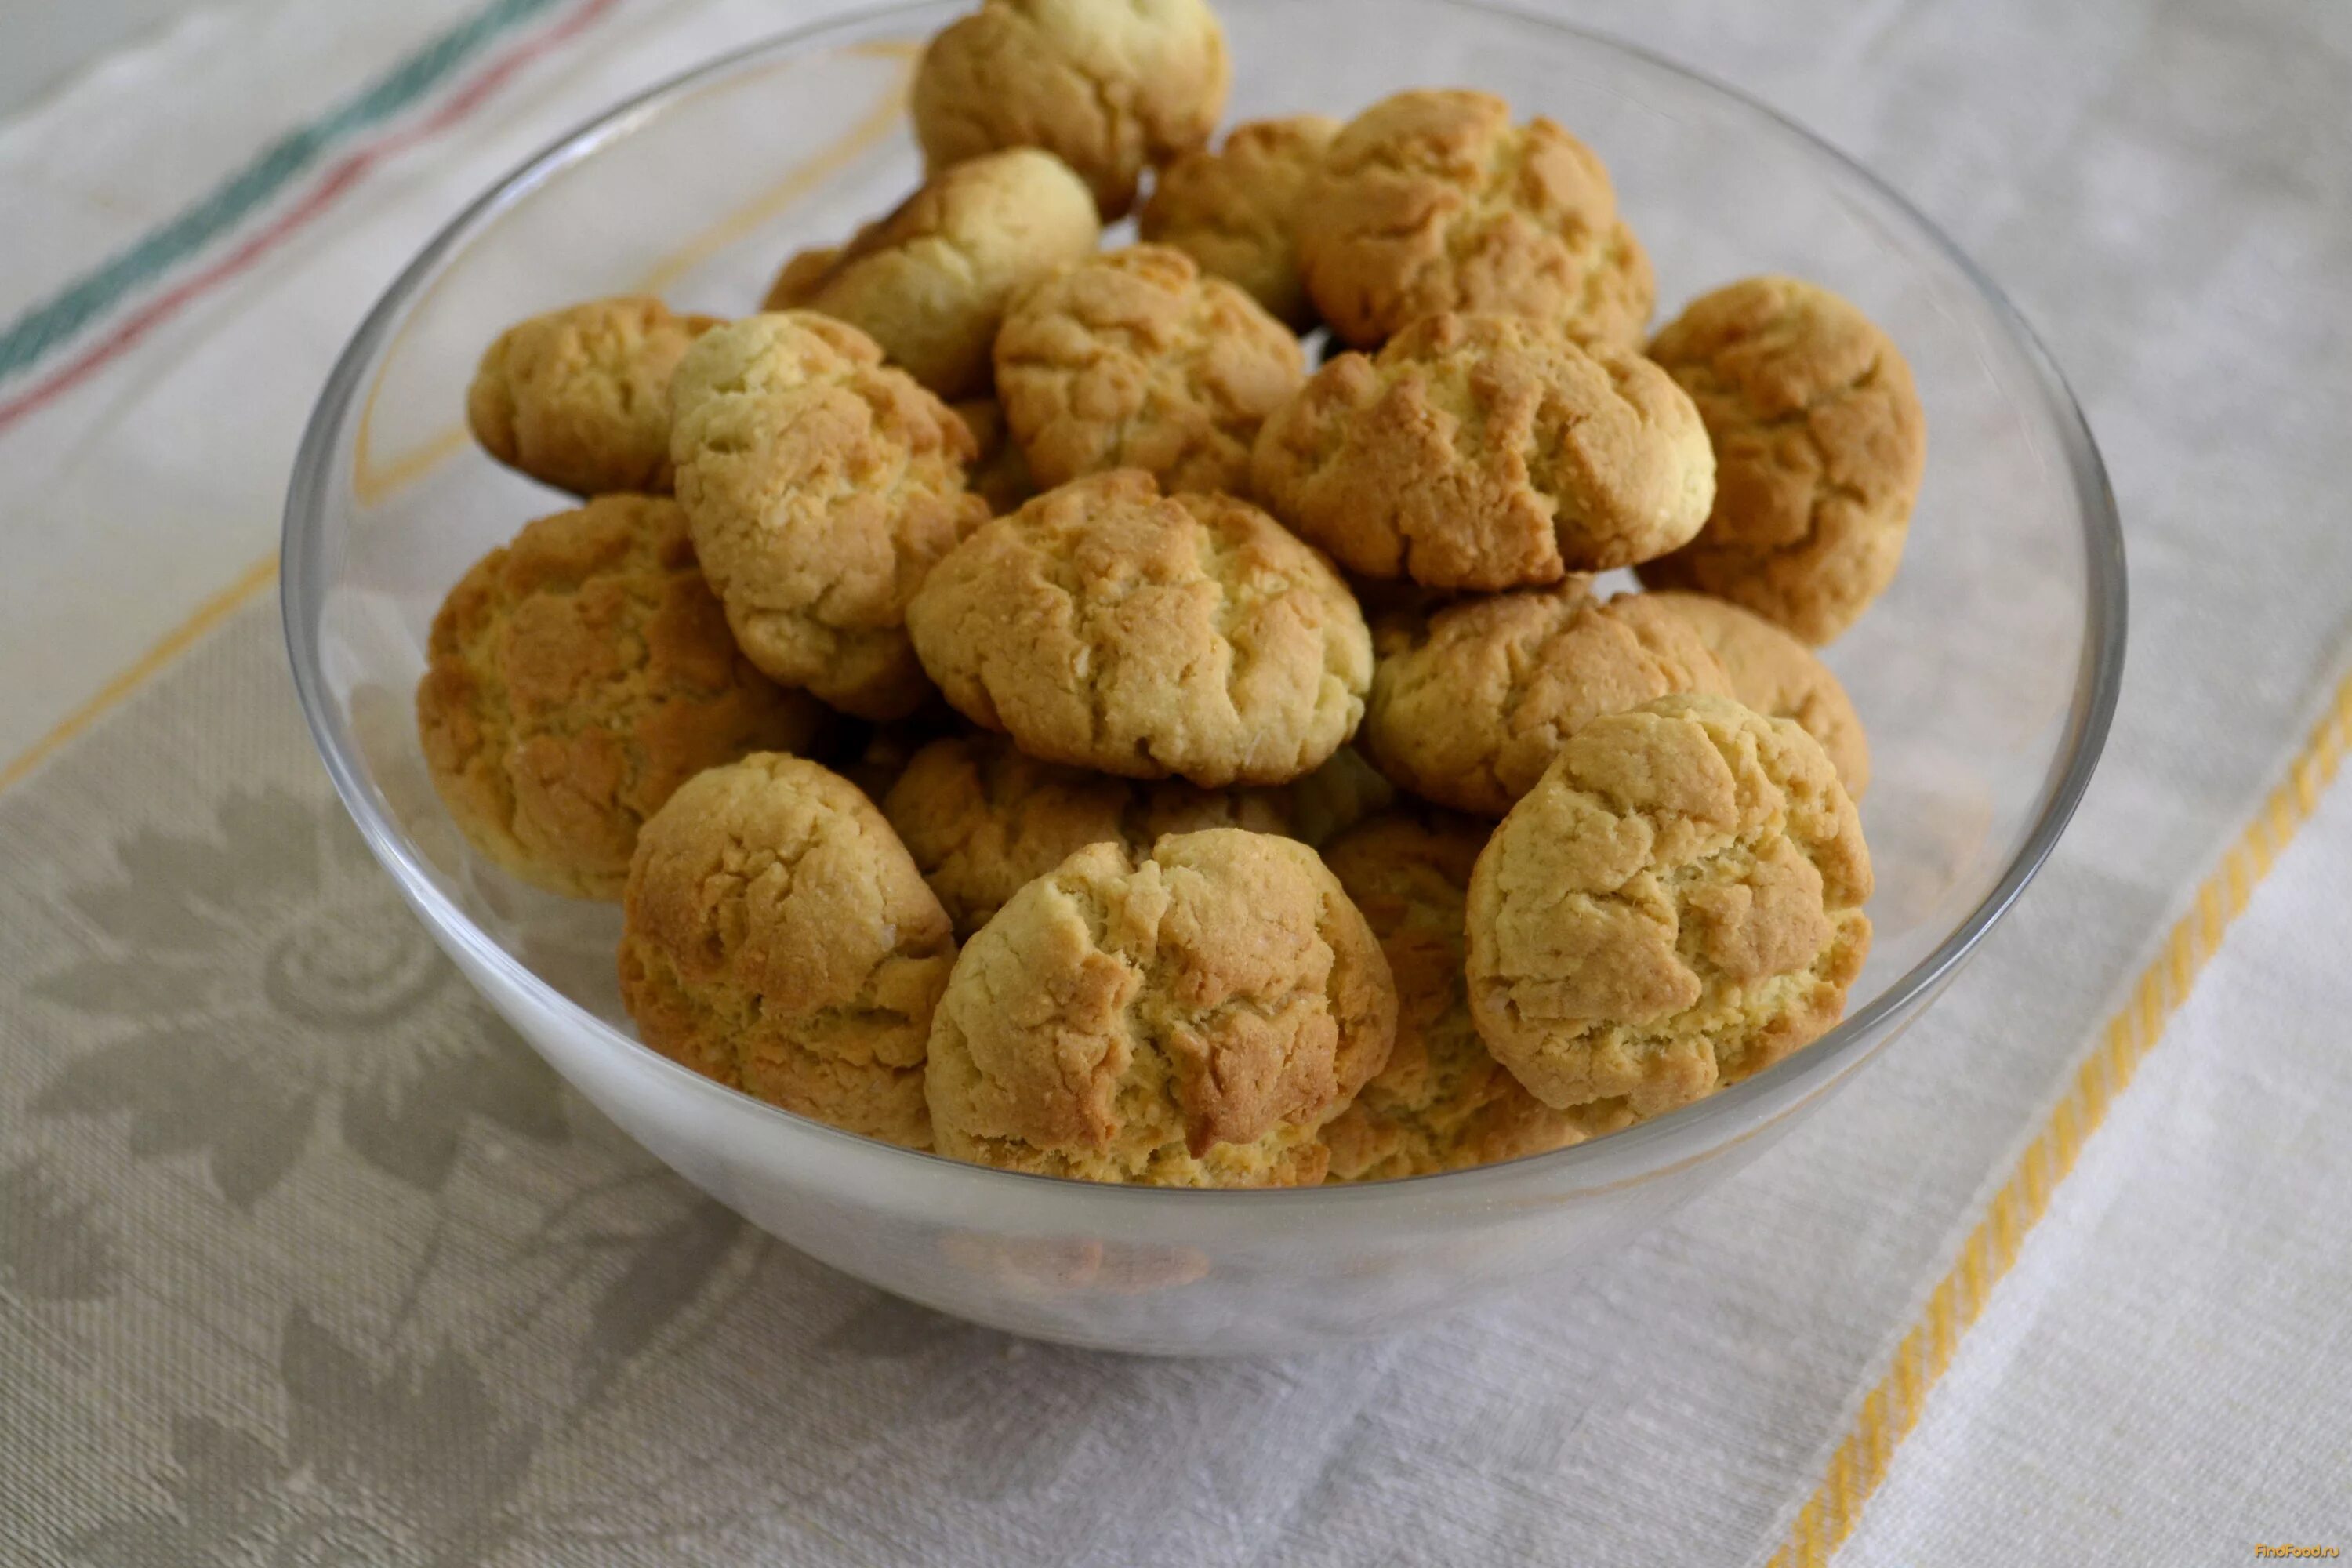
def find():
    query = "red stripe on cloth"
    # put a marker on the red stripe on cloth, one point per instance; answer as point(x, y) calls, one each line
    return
point(128, 333)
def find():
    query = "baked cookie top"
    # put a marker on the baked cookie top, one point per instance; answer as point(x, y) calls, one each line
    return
point(1432, 201)
point(1676, 905)
point(776, 937)
point(1107, 625)
point(1107, 89)
point(929, 282)
point(1443, 1102)
point(1487, 452)
point(579, 399)
point(575, 678)
point(1820, 445)
point(982, 819)
point(1470, 704)
point(1191, 1018)
point(1236, 210)
point(1136, 359)
point(1777, 675)
point(820, 484)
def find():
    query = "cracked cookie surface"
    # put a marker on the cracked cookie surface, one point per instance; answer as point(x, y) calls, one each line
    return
point(1674, 906)
point(1188, 1017)
point(821, 485)
point(1235, 210)
point(931, 281)
point(1485, 452)
point(1471, 704)
point(1432, 201)
point(1107, 625)
point(1136, 359)
point(1820, 445)
point(1107, 89)
point(575, 678)
point(579, 399)
point(1777, 675)
point(1443, 1102)
point(777, 938)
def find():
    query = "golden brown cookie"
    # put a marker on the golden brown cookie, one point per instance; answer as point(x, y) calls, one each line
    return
point(578, 675)
point(1189, 1018)
point(999, 473)
point(1676, 905)
point(1107, 627)
point(1777, 675)
point(1444, 1102)
point(1134, 360)
point(1469, 705)
point(982, 819)
point(776, 937)
point(1106, 85)
point(1487, 452)
point(579, 399)
point(1820, 444)
point(1236, 210)
point(931, 281)
point(821, 485)
point(1432, 201)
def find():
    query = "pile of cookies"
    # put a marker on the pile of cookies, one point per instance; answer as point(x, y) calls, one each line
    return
point(1029, 708)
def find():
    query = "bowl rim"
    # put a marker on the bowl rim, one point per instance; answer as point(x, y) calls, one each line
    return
point(1673, 1138)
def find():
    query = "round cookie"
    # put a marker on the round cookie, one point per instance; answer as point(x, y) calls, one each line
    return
point(821, 485)
point(1777, 675)
point(1235, 210)
point(982, 820)
point(579, 399)
point(1188, 1018)
point(1485, 452)
point(1443, 1102)
point(576, 677)
point(1433, 201)
point(1820, 445)
point(776, 937)
point(1676, 905)
point(931, 281)
point(1470, 704)
point(1107, 627)
point(1134, 360)
point(999, 473)
point(1106, 88)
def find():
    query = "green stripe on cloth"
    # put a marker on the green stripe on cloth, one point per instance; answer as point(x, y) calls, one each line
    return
point(32, 335)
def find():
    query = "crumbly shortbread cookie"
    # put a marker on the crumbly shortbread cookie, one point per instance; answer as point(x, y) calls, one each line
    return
point(821, 485)
point(575, 678)
point(1432, 201)
point(579, 399)
point(1820, 445)
point(1135, 360)
point(776, 937)
point(1186, 1019)
point(1236, 210)
point(1777, 675)
point(1106, 85)
point(982, 819)
point(931, 281)
point(1107, 627)
point(1444, 1102)
point(1470, 704)
point(999, 474)
point(1676, 905)
point(1487, 452)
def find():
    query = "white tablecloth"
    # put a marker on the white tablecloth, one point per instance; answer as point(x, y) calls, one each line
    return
point(295, 1267)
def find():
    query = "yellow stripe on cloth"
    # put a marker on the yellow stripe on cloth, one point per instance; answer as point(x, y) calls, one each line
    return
point(169, 647)
point(1891, 1410)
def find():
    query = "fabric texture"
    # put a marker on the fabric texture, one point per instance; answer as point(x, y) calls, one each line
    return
point(303, 1257)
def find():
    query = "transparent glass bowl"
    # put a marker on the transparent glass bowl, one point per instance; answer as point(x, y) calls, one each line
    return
point(1986, 675)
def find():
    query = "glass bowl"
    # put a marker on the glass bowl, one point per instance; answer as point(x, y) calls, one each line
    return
point(1986, 675)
